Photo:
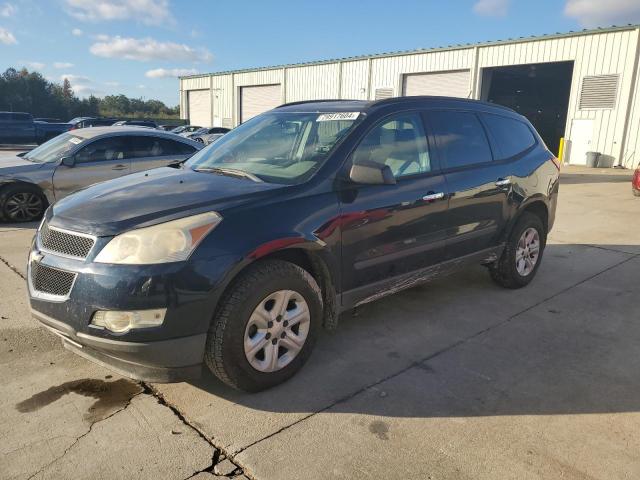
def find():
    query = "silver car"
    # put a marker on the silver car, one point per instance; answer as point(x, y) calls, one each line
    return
point(79, 158)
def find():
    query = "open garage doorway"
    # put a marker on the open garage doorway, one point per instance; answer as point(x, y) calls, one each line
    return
point(539, 91)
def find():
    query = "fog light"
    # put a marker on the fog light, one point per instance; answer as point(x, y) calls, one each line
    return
point(120, 322)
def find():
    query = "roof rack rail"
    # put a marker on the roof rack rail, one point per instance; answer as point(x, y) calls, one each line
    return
point(434, 97)
point(316, 101)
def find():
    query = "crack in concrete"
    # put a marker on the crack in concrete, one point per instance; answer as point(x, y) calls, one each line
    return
point(454, 345)
point(219, 453)
point(15, 270)
point(77, 440)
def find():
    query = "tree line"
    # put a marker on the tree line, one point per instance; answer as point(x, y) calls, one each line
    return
point(25, 91)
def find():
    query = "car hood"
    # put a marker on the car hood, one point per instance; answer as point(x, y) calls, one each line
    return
point(151, 197)
point(11, 166)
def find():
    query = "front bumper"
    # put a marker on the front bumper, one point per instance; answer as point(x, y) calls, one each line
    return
point(173, 351)
point(172, 360)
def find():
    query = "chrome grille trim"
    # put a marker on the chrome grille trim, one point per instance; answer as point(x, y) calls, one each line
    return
point(64, 243)
point(49, 283)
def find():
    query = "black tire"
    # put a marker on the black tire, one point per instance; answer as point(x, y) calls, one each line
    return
point(504, 271)
point(224, 354)
point(11, 192)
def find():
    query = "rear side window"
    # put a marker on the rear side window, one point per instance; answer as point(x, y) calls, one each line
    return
point(460, 138)
point(169, 147)
point(513, 136)
point(148, 146)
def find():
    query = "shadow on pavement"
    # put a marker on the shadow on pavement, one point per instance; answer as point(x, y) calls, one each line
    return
point(580, 178)
point(462, 346)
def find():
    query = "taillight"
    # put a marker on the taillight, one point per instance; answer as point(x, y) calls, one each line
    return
point(636, 179)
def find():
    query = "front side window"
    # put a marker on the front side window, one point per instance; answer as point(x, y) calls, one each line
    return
point(398, 142)
point(460, 138)
point(513, 136)
point(106, 149)
point(277, 147)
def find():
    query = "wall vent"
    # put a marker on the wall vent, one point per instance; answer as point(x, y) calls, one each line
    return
point(599, 91)
point(382, 93)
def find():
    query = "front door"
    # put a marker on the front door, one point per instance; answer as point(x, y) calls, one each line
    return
point(101, 160)
point(392, 230)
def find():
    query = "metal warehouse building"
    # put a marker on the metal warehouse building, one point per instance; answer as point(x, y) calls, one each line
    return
point(580, 86)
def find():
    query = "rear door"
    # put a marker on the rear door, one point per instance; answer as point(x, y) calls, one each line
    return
point(152, 152)
point(479, 186)
point(391, 230)
point(101, 160)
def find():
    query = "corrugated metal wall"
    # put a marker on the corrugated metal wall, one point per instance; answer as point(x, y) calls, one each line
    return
point(593, 53)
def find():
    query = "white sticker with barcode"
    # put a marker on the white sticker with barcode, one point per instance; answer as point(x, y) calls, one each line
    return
point(327, 117)
point(75, 140)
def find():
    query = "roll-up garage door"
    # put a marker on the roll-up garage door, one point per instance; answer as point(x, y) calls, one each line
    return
point(447, 84)
point(200, 108)
point(257, 99)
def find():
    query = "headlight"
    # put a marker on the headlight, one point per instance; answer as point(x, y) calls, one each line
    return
point(167, 242)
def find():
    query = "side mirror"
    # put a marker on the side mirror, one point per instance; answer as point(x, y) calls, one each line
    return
point(68, 161)
point(371, 173)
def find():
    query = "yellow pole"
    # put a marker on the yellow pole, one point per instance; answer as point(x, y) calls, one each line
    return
point(561, 150)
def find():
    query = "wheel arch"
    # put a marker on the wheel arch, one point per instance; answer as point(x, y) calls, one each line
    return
point(536, 205)
point(16, 181)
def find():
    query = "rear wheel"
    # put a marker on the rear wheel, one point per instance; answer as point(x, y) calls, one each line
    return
point(265, 326)
point(22, 203)
point(522, 254)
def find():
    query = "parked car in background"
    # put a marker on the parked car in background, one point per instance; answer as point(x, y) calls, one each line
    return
point(136, 123)
point(74, 160)
point(168, 128)
point(236, 259)
point(87, 122)
point(635, 182)
point(21, 128)
point(207, 138)
point(207, 131)
point(48, 120)
point(185, 129)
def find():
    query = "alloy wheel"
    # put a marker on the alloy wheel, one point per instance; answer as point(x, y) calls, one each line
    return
point(527, 251)
point(276, 331)
point(23, 206)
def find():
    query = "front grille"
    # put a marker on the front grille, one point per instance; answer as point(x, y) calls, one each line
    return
point(65, 243)
point(51, 280)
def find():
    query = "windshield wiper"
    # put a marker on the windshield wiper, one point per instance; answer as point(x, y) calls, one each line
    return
point(233, 172)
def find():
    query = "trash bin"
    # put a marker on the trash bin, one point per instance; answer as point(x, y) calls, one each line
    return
point(592, 159)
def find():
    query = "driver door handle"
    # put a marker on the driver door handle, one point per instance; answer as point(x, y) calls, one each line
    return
point(503, 182)
point(120, 167)
point(431, 196)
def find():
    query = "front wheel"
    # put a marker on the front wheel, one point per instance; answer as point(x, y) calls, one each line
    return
point(265, 326)
point(522, 255)
point(21, 203)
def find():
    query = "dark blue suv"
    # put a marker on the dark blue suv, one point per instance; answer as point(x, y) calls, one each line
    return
point(235, 258)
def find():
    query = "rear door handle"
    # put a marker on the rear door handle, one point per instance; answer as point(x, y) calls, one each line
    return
point(120, 167)
point(429, 197)
point(503, 182)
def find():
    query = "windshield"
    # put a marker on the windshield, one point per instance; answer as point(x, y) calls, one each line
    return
point(277, 147)
point(54, 149)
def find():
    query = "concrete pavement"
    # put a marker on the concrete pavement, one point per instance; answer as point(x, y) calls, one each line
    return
point(454, 379)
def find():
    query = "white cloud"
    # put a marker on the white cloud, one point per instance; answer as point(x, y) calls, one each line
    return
point(594, 13)
point(35, 65)
point(76, 32)
point(150, 12)
point(145, 49)
point(492, 8)
point(7, 37)
point(62, 65)
point(8, 10)
point(170, 73)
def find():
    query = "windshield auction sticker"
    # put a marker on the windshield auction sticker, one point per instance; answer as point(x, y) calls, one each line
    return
point(327, 117)
point(75, 140)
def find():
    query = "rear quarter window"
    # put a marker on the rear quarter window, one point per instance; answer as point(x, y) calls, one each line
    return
point(512, 136)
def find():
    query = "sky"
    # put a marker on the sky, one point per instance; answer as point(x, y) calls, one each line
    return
point(139, 47)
